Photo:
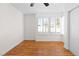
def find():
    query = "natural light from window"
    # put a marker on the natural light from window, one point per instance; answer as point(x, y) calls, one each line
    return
point(51, 24)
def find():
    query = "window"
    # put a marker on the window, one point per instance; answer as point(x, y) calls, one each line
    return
point(52, 24)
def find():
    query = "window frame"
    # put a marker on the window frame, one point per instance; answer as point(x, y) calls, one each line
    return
point(49, 27)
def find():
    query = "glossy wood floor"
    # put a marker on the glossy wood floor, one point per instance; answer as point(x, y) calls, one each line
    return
point(39, 48)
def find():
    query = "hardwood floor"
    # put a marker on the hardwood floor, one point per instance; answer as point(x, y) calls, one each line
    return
point(39, 48)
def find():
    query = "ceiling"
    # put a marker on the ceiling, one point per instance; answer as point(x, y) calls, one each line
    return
point(40, 7)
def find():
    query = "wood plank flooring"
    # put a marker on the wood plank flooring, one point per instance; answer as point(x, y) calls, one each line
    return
point(39, 48)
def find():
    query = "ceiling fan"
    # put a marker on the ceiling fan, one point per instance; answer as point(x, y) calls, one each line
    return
point(46, 4)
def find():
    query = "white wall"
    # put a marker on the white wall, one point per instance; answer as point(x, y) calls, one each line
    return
point(66, 30)
point(11, 27)
point(74, 31)
point(29, 26)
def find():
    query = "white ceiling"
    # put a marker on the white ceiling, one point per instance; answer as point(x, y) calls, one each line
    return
point(40, 7)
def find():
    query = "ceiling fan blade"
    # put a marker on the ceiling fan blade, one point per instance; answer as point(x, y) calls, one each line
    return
point(46, 4)
point(32, 4)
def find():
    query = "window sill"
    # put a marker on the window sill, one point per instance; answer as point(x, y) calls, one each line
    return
point(51, 34)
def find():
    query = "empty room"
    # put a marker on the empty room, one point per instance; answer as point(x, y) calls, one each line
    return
point(39, 29)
